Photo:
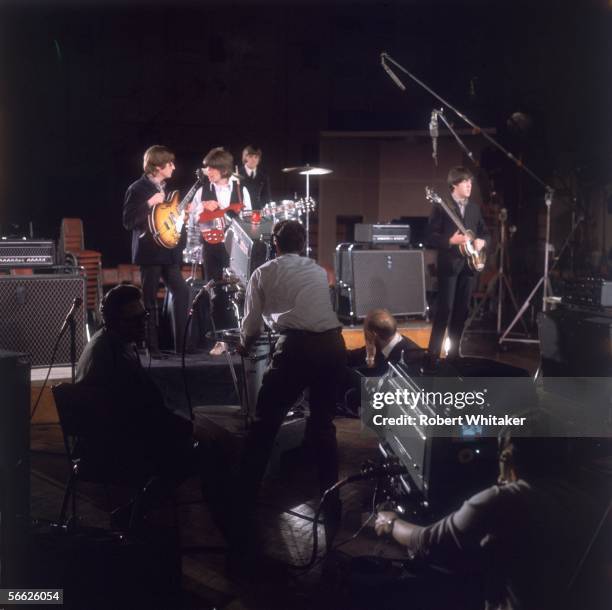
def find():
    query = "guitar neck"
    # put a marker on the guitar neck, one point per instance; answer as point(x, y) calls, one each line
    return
point(188, 197)
point(451, 214)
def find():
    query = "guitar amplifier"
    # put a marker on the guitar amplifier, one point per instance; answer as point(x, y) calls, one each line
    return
point(248, 246)
point(26, 253)
point(33, 309)
point(589, 292)
point(382, 234)
point(372, 279)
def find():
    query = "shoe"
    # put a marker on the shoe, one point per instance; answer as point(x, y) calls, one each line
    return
point(219, 349)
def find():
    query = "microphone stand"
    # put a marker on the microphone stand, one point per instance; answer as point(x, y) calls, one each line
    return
point(548, 197)
point(72, 329)
point(462, 145)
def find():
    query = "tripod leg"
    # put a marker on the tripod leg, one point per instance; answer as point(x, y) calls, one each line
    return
point(521, 311)
point(513, 299)
point(488, 294)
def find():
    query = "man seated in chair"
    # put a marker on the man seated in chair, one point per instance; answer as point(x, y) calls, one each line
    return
point(135, 434)
point(383, 344)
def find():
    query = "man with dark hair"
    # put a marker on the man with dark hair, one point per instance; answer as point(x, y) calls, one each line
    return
point(155, 261)
point(291, 295)
point(383, 344)
point(516, 533)
point(254, 178)
point(222, 190)
point(135, 432)
point(455, 278)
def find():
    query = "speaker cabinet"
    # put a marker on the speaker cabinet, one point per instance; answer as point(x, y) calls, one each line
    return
point(370, 279)
point(14, 467)
point(33, 309)
point(576, 343)
point(248, 247)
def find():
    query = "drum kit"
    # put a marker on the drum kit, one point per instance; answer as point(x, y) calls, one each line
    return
point(289, 209)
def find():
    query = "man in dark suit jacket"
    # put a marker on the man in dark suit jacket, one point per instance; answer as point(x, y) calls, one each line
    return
point(254, 178)
point(383, 345)
point(154, 260)
point(455, 279)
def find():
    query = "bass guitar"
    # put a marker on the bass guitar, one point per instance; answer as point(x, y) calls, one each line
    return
point(476, 259)
point(166, 219)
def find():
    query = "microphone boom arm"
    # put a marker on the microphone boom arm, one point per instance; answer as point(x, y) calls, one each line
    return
point(384, 57)
point(461, 143)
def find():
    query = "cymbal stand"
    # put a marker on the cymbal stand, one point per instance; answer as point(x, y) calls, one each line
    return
point(307, 214)
point(549, 192)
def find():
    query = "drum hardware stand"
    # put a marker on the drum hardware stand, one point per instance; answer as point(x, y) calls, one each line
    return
point(548, 197)
point(308, 170)
point(501, 278)
point(209, 288)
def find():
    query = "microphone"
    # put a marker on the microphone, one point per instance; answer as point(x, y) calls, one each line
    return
point(76, 303)
point(434, 133)
point(386, 469)
point(200, 294)
point(391, 74)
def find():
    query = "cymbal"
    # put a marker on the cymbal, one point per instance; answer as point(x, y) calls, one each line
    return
point(308, 170)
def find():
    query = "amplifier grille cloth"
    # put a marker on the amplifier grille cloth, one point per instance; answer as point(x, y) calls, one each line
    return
point(33, 309)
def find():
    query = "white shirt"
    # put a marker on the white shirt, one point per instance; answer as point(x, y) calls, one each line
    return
point(461, 204)
point(389, 347)
point(224, 194)
point(288, 292)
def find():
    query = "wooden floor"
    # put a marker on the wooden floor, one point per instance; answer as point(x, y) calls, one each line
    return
point(287, 535)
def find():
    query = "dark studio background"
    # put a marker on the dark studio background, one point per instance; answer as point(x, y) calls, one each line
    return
point(87, 87)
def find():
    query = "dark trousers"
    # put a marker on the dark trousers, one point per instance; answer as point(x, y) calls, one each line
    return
point(172, 277)
point(452, 308)
point(214, 257)
point(301, 360)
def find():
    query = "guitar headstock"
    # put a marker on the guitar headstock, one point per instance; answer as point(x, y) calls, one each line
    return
point(432, 196)
point(200, 175)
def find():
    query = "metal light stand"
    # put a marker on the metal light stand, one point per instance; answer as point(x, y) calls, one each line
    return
point(384, 57)
point(544, 281)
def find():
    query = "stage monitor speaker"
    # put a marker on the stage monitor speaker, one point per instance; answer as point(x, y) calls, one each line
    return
point(14, 466)
point(33, 310)
point(576, 343)
point(371, 279)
